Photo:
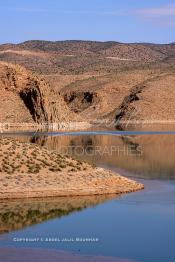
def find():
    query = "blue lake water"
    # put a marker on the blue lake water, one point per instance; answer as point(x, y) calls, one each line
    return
point(138, 226)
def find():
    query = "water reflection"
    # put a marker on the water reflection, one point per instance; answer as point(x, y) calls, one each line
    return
point(15, 215)
point(141, 155)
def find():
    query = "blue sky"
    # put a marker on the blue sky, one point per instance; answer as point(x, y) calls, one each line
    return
point(102, 20)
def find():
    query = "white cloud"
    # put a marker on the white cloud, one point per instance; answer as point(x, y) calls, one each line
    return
point(168, 10)
point(159, 16)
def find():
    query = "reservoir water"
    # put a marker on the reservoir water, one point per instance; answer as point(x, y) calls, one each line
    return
point(139, 226)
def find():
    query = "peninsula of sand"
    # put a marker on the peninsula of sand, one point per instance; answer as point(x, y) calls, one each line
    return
point(30, 171)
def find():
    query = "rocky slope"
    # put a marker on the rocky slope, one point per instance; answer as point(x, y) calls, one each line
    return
point(86, 80)
point(151, 101)
point(100, 97)
point(26, 98)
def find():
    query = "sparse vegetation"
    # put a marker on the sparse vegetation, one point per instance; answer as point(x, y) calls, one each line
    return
point(52, 174)
point(32, 160)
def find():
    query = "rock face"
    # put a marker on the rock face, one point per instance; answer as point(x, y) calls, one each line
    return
point(150, 101)
point(79, 101)
point(28, 98)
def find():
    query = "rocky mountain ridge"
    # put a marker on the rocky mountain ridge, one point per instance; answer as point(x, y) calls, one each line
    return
point(76, 57)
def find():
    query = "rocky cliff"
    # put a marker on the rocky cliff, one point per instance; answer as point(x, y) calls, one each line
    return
point(27, 98)
point(152, 101)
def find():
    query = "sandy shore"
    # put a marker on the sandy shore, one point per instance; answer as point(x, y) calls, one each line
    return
point(30, 171)
point(39, 255)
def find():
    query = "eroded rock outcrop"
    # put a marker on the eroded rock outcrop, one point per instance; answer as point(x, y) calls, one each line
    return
point(27, 98)
point(81, 100)
point(152, 101)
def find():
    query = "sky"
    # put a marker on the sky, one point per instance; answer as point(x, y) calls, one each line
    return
point(100, 20)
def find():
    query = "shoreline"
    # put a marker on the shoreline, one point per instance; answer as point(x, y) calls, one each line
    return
point(30, 171)
point(113, 183)
point(6, 128)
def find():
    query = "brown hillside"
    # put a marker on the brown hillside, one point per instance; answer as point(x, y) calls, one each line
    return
point(150, 101)
point(90, 80)
point(76, 57)
point(28, 98)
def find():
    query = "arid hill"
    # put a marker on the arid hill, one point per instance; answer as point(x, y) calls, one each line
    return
point(92, 80)
point(74, 47)
point(151, 101)
point(27, 98)
point(76, 57)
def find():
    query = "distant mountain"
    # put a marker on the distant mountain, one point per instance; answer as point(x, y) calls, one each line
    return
point(141, 50)
point(73, 56)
